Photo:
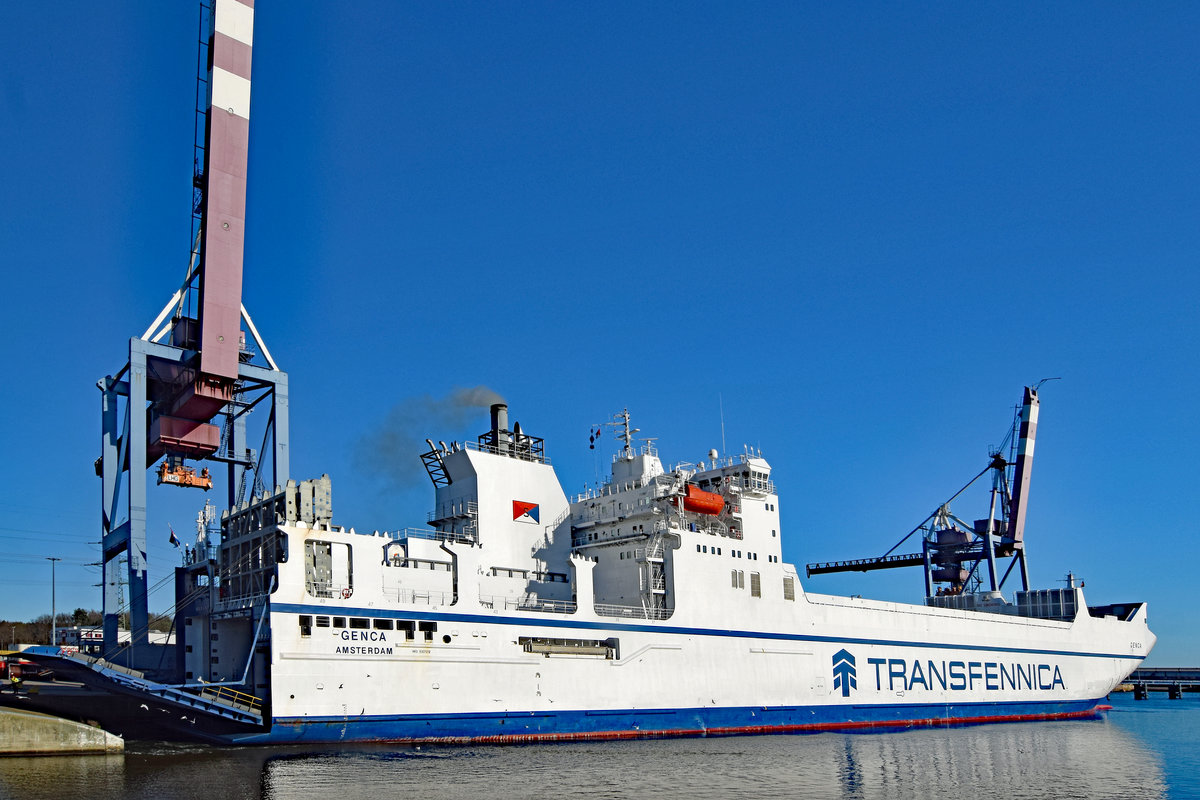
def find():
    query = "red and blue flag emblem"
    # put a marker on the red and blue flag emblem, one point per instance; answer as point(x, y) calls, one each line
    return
point(525, 512)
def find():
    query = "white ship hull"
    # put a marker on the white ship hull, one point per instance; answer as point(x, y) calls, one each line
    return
point(714, 672)
point(658, 604)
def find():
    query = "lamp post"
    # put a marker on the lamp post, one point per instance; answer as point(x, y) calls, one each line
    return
point(53, 612)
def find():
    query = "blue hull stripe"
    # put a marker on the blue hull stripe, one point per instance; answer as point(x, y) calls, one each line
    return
point(631, 723)
point(292, 608)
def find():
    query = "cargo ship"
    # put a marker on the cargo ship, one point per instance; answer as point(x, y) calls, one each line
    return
point(656, 604)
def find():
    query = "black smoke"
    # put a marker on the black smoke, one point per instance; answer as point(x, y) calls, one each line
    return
point(390, 451)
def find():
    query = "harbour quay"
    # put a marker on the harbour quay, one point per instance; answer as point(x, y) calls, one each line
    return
point(1172, 680)
point(25, 733)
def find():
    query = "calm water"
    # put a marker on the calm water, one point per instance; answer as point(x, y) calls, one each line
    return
point(1146, 749)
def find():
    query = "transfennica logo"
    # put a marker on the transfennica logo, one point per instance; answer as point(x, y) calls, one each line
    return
point(845, 677)
point(902, 674)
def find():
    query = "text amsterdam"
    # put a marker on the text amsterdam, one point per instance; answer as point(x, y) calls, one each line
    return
point(365, 650)
point(956, 676)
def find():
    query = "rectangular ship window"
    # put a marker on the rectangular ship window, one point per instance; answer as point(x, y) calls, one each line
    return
point(305, 625)
point(407, 626)
point(428, 628)
point(322, 622)
point(339, 622)
point(383, 624)
point(359, 622)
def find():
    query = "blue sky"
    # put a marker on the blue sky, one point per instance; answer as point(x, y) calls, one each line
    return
point(857, 228)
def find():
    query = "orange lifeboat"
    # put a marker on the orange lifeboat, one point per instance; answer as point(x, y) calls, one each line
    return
point(702, 502)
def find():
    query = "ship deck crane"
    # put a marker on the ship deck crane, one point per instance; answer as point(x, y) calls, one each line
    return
point(954, 551)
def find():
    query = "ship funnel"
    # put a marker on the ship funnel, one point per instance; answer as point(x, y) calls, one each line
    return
point(500, 426)
point(499, 417)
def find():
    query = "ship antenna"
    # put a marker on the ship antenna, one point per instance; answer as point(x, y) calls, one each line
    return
point(621, 423)
point(721, 402)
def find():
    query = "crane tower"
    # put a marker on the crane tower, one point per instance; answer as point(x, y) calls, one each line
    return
point(189, 384)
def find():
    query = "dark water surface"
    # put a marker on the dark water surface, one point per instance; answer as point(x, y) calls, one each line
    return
point(1144, 749)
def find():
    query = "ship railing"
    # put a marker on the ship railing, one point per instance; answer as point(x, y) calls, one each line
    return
point(528, 604)
point(529, 448)
point(241, 602)
point(654, 550)
point(657, 583)
point(230, 696)
point(612, 488)
point(458, 509)
point(637, 612)
point(466, 537)
point(427, 597)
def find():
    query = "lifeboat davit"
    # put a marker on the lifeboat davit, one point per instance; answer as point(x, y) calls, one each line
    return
point(701, 502)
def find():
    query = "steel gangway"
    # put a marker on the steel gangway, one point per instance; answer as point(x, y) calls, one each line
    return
point(218, 700)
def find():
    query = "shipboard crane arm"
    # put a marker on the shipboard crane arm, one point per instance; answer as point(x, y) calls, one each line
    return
point(952, 549)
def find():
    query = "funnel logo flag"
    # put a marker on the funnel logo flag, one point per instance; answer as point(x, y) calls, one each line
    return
point(525, 512)
point(844, 674)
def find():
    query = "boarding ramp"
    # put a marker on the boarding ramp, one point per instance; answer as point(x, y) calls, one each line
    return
point(215, 700)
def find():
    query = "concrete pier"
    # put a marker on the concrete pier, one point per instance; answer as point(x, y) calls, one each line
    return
point(24, 733)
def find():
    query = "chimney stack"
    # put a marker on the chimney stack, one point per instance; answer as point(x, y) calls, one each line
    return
point(500, 426)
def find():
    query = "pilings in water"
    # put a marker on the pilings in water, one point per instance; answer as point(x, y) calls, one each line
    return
point(1172, 680)
point(24, 733)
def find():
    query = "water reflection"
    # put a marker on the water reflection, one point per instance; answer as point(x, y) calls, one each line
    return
point(1069, 759)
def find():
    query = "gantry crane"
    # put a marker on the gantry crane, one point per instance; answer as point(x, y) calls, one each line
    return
point(190, 383)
